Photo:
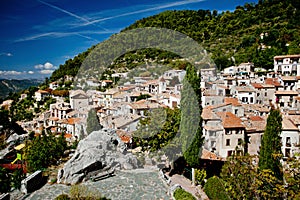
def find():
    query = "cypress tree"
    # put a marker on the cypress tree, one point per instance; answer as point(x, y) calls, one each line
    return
point(92, 122)
point(190, 125)
point(270, 150)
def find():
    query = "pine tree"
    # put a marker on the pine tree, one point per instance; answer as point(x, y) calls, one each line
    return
point(92, 122)
point(270, 150)
point(190, 125)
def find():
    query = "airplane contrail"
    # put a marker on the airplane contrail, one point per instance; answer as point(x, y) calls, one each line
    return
point(178, 3)
point(63, 34)
point(64, 11)
point(68, 13)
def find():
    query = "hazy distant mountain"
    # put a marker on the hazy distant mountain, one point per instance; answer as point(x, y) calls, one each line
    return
point(7, 86)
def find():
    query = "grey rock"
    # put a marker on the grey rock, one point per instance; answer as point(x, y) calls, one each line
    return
point(101, 149)
point(16, 138)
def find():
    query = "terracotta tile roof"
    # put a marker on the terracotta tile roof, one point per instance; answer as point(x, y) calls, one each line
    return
point(268, 86)
point(73, 120)
point(209, 155)
point(272, 81)
point(287, 124)
point(244, 89)
point(256, 107)
point(222, 86)
point(151, 82)
point(54, 118)
point(255, 124)
point(289, 78)
point(287, 56)
point(213, 128)
point(230, 120)
point(208, 114)
point(232, 101)
point(286, 92)
point(256, 118)
point(42, 92)
point(144, 104)
point(257, 85)
point(295, 119)
point(74, 93)
point(68, 135)
point(123, 135)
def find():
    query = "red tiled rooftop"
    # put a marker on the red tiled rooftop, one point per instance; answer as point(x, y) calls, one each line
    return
point(232, 101)
point(256, 118)
point(257, 85)
point(272, 81)
point(230, 120)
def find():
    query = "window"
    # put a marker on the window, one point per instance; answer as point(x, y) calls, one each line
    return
point(287, 153)
point(251, 99)
point(227, 132)
point(227, 142)
point(213, 144)
point(236, 111)
point(212, 133)
point(229, 153)
point(288, 142)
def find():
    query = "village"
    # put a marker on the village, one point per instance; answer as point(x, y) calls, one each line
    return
point(235, 102)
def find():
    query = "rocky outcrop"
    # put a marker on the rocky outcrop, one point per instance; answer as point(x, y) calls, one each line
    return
point(100, 150)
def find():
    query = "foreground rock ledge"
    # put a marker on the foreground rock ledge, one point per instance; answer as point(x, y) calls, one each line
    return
point(101, 150)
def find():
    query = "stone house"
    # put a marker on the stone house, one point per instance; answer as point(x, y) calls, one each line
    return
point(286, 99)
point(54, 85)
point(254, 127)
point(289, 137)
point(212, 130)
point(41, 94)
point(233, 136)
point(245, 94)
point(59, 110)
point(288, 82)
point(287, 65)
point(78, 99)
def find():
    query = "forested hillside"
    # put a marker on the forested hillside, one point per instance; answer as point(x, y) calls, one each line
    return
point(253, 32)
point(234, 37)
point(11, 86)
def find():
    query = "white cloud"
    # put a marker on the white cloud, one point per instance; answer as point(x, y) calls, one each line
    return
point(47, 65)
point(7, 73)
point(46, 71)
point(30, 72)
point(39, 66)
point(6, 54)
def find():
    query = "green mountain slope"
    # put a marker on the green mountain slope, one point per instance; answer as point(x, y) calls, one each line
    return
point(253, 32)
point(234, 37)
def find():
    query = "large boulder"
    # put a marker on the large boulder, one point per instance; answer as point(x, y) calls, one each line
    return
point(100, 150)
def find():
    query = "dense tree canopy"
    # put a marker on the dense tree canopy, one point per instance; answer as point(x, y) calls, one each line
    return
point(44, 150)
point(190, 125)
point(270, 150)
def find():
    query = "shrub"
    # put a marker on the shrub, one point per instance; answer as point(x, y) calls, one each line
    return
point(200, 175)
point(181, 194)
point(62, 197)
point(214, 189)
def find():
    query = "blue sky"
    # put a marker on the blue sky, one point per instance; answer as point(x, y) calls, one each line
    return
point(38, 35)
